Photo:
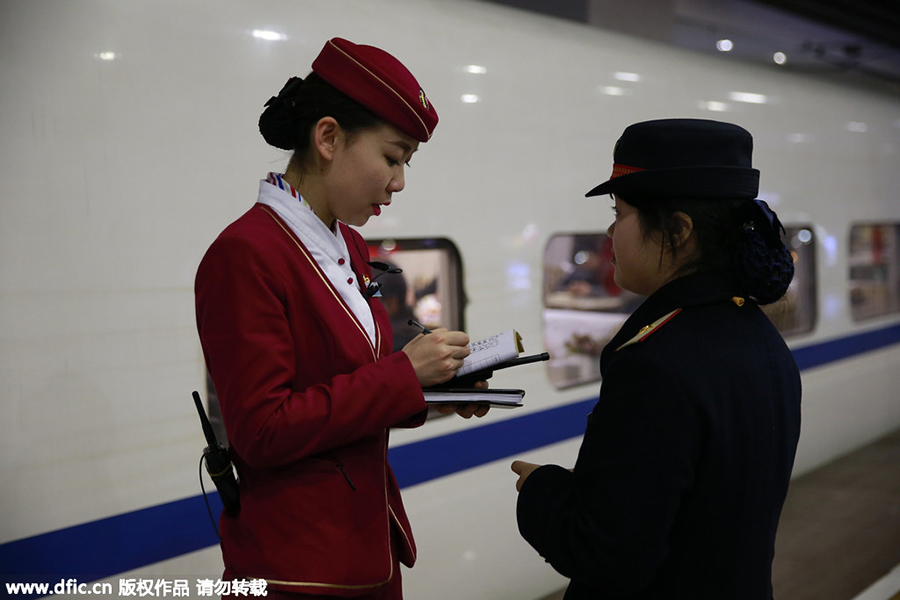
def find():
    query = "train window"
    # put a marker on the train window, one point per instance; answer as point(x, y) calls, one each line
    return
point(583, 306)
point(874, 270)
point(796, 312)
point(429, 289)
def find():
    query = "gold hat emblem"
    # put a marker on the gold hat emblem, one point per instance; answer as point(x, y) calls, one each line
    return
point(423, 99)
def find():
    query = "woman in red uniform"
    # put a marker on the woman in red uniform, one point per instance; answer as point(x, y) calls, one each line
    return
point(301, 357)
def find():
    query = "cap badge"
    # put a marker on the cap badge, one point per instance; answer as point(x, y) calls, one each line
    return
point(423, 99)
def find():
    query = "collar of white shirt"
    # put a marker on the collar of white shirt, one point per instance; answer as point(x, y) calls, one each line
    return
point(328, 249)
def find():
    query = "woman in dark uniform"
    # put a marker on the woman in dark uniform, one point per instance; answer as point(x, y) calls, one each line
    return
point(686, 459)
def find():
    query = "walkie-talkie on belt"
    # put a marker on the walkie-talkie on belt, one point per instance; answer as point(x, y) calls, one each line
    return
point(218, 464)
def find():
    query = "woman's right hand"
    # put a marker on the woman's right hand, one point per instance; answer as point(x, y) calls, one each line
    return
point(437, 356)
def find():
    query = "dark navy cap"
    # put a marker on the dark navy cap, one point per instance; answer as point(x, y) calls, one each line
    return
point(682, 158)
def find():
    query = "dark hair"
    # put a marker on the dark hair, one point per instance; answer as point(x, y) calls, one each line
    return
point(289, 117)
point(733, 235)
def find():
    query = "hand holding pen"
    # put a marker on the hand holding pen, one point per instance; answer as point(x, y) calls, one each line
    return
point(465, 410)
point(436, 355)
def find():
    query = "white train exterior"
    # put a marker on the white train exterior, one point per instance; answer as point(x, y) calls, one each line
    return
point(130, 141)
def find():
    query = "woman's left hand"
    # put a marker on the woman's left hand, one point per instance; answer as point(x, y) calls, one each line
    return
point(466, 411)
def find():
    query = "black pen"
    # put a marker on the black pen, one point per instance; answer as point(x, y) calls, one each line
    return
point(418, 326)
point(523, 360)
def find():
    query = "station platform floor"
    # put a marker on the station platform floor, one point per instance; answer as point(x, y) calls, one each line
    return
point(839, 535)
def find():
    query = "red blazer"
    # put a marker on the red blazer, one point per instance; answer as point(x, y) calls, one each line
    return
point(307, 401)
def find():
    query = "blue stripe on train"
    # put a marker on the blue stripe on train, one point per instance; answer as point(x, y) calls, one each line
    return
point(846, 347)
point(126, 542)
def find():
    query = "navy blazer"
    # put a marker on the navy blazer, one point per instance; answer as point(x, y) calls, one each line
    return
point(686, 459)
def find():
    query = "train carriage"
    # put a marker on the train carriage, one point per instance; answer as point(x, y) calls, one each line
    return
point(130, 141)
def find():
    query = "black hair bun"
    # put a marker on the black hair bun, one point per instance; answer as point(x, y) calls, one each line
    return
point(277, 122)
point(767, 266)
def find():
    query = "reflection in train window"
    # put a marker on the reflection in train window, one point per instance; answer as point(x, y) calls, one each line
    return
point(874, 265)
point(428, 290)
point(583, 306)
point(796, 313)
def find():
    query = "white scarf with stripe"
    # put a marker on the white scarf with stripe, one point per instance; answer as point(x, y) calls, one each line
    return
point(328, 249)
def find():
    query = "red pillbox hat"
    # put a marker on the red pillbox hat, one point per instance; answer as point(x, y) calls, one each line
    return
point(379, 82)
